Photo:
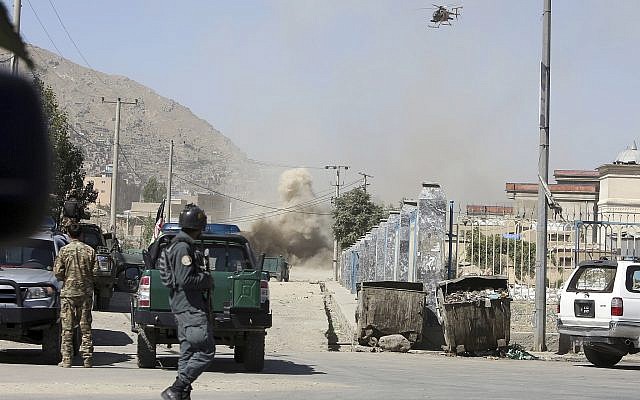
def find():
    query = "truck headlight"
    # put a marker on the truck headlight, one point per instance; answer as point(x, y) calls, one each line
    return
point(39, 292)
point(104, 263)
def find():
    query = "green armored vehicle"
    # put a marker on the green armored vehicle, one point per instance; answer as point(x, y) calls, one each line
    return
point(105, 277)
point(277, 267)
point(239, 304)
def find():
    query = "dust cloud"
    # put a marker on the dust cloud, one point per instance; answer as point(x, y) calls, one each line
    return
point(301, 231)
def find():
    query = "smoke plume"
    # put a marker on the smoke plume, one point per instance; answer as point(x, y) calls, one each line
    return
point(301, 237)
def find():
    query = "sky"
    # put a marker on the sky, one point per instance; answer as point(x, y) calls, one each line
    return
point(366, 83)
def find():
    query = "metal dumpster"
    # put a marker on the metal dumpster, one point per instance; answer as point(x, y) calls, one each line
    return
point(475, 313)
point(389, 307)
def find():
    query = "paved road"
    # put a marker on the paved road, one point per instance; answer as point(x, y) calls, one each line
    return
point(324, 375)
point(294, 374)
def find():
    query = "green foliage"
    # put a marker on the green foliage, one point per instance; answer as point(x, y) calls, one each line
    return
point(149, 224)
point(68, 175)
point(354, 215)
point(154, 191)
point(487, 248)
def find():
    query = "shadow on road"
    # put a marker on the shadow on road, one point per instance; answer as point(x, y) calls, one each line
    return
point(622, 367)
point(101, 358)
point(34, 357)
point(106, 337)
point(228, 366)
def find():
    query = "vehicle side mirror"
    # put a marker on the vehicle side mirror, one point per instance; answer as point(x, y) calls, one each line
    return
point(25, 165)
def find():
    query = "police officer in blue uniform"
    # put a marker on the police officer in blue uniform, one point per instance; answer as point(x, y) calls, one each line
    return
point(189, 304)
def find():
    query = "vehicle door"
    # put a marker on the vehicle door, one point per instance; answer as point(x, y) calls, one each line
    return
point(630, 293)
point(225, 259)
point(586, 301)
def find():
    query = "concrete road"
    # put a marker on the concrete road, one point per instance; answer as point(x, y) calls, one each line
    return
point(326, 375)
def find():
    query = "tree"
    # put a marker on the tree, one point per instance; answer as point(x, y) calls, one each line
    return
point(355, 214)
point(68, 175)
point(487, 249)
point(154, 191)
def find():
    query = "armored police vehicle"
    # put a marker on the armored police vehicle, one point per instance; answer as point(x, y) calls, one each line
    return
point(30, 293)
point(105, 277)
point(239, 303)
point(277, 267)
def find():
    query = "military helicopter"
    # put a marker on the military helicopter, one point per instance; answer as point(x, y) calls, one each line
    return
point(442, 15)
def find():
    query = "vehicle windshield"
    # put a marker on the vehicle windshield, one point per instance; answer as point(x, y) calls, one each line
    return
point(92, 237)
point(227, 257)
point(271, 264)
point(34, 253)
point(593, 278)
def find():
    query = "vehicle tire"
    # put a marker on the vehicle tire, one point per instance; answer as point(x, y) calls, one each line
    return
point(146, 348)
point(51, 341)
point(254, 352)
point(238, 354)
point(601, 359)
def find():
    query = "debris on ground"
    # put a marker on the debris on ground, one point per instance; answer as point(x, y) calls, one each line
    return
point(516, 352)
point(396, 343)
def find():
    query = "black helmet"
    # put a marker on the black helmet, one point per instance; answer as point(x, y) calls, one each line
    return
point(192, 217)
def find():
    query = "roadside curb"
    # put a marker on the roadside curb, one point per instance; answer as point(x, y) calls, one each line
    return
point(346, 327)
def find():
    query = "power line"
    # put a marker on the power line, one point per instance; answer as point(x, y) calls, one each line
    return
point(68, 34)
point(309, 203)
point(270, 164)
point(126, 160)
point(44, 29)
point(245, 201)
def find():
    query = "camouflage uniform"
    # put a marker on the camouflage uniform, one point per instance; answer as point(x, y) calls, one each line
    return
point(75, 266)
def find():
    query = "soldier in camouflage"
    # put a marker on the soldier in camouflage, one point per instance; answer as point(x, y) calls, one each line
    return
point(75, 267)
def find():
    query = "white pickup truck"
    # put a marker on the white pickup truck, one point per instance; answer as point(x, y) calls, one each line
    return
point(600, 309)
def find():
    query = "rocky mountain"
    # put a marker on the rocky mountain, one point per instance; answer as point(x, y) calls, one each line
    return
point(202, 154)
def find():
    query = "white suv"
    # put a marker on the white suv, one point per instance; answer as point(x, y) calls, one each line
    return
point(600, 307)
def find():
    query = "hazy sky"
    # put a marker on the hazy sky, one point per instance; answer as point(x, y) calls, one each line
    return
point(367, 84)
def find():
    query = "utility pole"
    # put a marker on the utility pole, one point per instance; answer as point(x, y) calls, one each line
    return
point(17, 5)
point(543, 178)
point(168, 208)
point(450, 235)
point(365, 176)
point(335, 241)
point(114, 174)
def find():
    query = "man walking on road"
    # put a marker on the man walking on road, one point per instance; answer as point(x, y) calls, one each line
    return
point(74, 267)
point(189, 303)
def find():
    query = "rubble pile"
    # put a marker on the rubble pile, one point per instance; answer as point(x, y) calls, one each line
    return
point(476, 296)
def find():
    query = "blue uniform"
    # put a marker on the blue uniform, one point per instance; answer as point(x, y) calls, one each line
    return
point(197, 346)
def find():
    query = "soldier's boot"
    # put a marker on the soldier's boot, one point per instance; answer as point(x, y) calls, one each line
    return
point(178, 391)
point(172, 394)
point(88, 362)
point(65, 363)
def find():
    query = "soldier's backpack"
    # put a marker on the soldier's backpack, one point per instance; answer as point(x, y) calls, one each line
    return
point(157, 257)
point(165, 270)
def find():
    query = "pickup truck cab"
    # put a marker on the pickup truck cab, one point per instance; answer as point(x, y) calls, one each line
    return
point(600, 308)
point(105, 277)
point(30, 293)
point(240, 311)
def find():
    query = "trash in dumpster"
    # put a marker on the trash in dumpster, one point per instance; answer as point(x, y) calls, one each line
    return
point(475, 314)
point(476, 296)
